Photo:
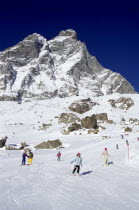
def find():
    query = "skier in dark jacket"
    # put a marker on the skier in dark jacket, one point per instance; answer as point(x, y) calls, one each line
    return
point(24, 158)
point(78, 163)
point(30, 158)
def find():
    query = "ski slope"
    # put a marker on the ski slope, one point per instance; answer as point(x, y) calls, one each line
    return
point(47, 184)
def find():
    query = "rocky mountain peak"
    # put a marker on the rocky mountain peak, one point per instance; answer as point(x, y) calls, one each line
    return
point(68, 33)
point(39, 69)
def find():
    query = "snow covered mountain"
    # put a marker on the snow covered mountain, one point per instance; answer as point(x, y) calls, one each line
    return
point(40, 69)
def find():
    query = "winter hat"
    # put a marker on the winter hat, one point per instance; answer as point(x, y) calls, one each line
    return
point(78, 154)
point(105, 148)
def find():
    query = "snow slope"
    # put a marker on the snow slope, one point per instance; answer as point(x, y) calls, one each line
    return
point(47, 184)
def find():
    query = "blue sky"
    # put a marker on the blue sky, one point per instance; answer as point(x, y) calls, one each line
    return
point(110, 29)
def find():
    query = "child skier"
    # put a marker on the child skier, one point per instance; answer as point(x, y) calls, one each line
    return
point(24, 158)
point(30, 158)
point(58, 156)
point(106, 155)
point(78, 163)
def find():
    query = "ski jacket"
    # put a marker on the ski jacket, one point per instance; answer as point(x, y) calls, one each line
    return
point(105, 153)
point(77, 160)
point(30, 155)
point(24, 155)
point(58, 154)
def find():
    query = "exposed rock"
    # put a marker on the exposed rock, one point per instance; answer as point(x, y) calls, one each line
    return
point(69, 33)
point(68, 118)
point(3, 141)
point(65, 132)
point(127, 129)
point(64, 60)
point(74, 127)
point(122, 103)
point(110, 121)
point(95, 131)
point(123, 119)
point(44, 126)
point(89, 122)
point(102, 117)
point(50, 144)
point(82, 106)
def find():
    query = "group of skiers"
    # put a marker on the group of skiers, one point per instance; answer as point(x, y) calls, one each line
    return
point(77, 160)
point(30, 157)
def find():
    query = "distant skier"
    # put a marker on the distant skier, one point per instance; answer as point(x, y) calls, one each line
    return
point(106, 155)
point(78, 163)
point(117, 146)
point(122, 136)
point(30, 158)
point(58, 156)
point(24, 158)
point(127, 142)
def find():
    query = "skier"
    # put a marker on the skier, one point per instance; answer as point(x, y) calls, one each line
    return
point(117, 146)
point(122, 136)
point(30, 158)
point(106, 155)
point(138, 139)
point(58, 156)
point(24, 158)
point(78, 163)
point(127, 142)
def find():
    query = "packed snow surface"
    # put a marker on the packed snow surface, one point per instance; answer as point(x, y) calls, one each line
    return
point(47, 183)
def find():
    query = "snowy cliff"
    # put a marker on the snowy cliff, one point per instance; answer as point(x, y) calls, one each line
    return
point(40, 69)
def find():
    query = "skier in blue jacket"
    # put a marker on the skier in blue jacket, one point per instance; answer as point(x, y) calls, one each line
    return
point(78, 163)
point(24, 158)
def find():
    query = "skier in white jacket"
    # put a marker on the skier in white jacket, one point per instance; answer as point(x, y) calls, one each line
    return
point(78, 163)
point(106, 155)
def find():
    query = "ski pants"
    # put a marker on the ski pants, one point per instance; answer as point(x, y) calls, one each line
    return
point(30, 161)
point(105, 160)
point(76, 168)
point(23, 161)
point(58, 158)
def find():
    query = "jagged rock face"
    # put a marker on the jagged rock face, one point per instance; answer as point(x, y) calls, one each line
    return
point(122, 103)
point(89, 122)
point(82, 106)
point(41, 69)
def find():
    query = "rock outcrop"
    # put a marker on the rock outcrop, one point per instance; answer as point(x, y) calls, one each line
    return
point(3, 141)
point(82, 106)
point(74, 127)
point(67, 118)
point(122, 103)
point(89, 122)
point(50, 144)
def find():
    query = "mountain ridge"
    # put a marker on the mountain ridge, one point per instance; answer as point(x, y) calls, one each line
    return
point(40, 69)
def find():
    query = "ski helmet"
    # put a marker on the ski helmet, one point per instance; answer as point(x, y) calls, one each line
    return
point(78, 154)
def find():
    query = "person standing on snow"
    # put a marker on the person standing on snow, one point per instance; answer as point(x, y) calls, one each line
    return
point(106, 155)
point(24, 158)
point(30, 158)
point(127, 142)
point(117, 146)
point(58, 156)
point(78, 163)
